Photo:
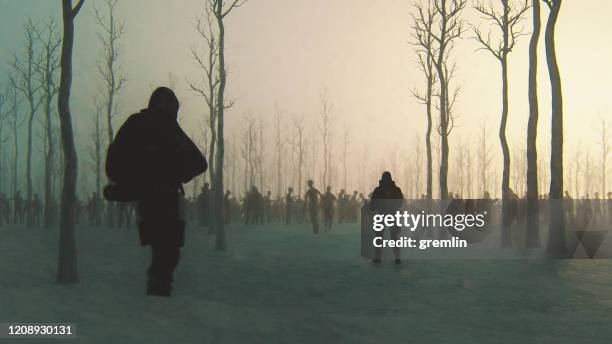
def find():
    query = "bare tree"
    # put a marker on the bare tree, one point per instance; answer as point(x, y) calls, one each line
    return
point(97, 141)
point(460, 171)
point(48, 68)
point(27, 82)
point(5, 112)
point(325, 128)
point(346, 142)
point(207, 61)
point(556, 237)
point(587, 175)
point(278, 141)
point(469, 176)
point(110, 31)
point(248, 150)
point(445, 30)
point(260, 153)
point(418, 166)
point(16, 122)
point(67, 271)
point(506, 20)
point(220, 12)
point(423, 40)
point(484, 160)
point(299, 144)
point(533, 210)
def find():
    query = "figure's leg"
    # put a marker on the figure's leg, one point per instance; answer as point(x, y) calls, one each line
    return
point(165, 258)
point(378, 250)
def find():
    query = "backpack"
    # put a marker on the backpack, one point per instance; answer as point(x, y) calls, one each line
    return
point(123, 163)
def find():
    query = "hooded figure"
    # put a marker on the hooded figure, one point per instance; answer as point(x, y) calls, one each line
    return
point(147, 162)
point(387, 198)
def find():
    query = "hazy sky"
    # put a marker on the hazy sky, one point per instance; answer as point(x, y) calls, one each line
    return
point(358, 51)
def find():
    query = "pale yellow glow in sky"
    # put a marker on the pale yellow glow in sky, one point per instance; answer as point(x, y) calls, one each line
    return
point(358, 51)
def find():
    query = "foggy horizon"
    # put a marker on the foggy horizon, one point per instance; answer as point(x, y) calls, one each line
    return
point(289, 53)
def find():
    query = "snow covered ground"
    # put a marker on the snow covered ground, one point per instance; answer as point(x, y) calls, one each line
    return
point(279, 285)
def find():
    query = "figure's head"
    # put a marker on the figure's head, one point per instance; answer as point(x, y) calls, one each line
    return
point(310, 183)
point(269, 192)
point(290, 189)
point(206, 186)
point(163, 101)
point(328, 188)
point(386, 178)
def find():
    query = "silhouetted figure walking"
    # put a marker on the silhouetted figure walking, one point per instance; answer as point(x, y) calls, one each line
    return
point(311, 200)
point(327, 205)
point(268, 206)
point(254, 207)
point(148, 161)
point(387, 198)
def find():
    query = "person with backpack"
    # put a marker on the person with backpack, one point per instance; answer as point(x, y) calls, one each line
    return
point(147, 163)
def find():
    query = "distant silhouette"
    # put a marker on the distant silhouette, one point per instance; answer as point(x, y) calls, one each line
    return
point(268, 206)
point(387, 198)
point(342, 205)
point(254, 207)
point(148, 161)
point(288, 206)
point(204, 205)
point(227, 207)
point(311, 199)
point(327, 205)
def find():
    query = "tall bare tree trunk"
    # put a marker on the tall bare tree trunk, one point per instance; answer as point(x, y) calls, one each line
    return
point(15, 126)
point(110, 33)
point(533, 209)
point(50, 65)
point(506, 239)
point(220, 241)
point(556, 237)
point(428, 142)
point(505, 22)
point(67, 271)
point(27, 73)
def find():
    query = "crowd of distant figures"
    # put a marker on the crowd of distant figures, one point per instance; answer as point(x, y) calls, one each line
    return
point(256, 209)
